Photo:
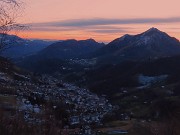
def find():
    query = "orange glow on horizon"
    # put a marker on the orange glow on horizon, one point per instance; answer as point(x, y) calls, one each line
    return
point(80, 35)
point(65, 36)
point(62, 16)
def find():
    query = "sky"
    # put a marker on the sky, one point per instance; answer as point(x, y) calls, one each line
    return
point(102, 20)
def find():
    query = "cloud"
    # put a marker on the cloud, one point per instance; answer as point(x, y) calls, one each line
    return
point(94, 28)
point(99, 25)
point(104, 21)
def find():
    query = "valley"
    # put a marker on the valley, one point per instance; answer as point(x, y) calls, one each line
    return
point(129, 86)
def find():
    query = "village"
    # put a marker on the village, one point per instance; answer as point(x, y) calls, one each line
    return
point(50, 100)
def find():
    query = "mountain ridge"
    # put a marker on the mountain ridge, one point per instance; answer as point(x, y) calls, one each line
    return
point(71, 49)
point(16, 47)
point(152, 43)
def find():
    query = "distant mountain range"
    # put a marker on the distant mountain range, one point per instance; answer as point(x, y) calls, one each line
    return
point(149, 45)
point(70, 49)
point(17, 47)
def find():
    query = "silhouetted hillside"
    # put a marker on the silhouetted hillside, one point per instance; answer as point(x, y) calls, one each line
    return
point(151, 44)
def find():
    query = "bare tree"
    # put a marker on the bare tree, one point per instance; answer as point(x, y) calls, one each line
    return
point(9, 13)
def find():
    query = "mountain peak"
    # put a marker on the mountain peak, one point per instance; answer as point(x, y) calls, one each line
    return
point(124, 37)
point(90, 39)
point(152, 31)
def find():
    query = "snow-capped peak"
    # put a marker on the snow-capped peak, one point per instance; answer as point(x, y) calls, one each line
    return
point(152, 35)
point(147, 36)
point(153, 31)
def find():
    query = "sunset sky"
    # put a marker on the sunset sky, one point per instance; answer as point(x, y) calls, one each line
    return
point(103, 20)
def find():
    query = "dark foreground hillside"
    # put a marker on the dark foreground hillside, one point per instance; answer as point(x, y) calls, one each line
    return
point(38, 105)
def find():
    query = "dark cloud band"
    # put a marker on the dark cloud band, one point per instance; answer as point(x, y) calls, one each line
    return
point(99, 25)
point(103, 21)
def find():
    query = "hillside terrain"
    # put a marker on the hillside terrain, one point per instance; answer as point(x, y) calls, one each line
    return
point(130, 85)
point(16, 47)
point(151, 44)
point(28, 101)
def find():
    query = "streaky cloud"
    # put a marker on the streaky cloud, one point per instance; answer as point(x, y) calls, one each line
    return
point(104, 21)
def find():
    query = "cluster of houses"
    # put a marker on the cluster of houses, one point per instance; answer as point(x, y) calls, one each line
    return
point(84, 62)
point(83, 106)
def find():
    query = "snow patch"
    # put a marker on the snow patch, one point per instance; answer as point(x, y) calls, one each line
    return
point(148, 80)
point(4, 77)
